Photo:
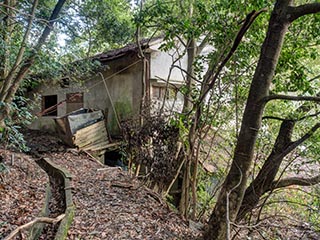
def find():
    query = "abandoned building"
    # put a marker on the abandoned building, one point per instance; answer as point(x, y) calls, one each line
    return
point(118, 90)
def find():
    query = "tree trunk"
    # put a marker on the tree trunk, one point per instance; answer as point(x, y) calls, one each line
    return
point(232, 192)
point(191, 55)
point(6, 32)
point(187, 106)
point(18, 72)
point(263, 182)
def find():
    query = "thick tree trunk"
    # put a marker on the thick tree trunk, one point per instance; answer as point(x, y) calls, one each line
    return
point(232, 192)
point(264, 180)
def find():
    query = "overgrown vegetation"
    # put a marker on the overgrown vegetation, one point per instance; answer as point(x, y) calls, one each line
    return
point(154, 146)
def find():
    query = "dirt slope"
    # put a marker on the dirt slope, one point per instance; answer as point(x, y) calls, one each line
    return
point(110, 204)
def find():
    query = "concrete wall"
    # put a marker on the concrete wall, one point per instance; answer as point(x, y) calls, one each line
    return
point(125, 90)
point(161, 62)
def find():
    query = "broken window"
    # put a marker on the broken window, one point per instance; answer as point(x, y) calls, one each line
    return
point(74, 101)
point(49, 105)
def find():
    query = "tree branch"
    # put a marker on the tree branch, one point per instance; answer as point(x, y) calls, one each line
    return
point(49, 26)
point(296, 143)
point(295, 120)
point(37, 220)
point(291, 98)
point(30, 60)
point(299, 11)
point(7, 82)
point(203, 44)
point(211, 78)
point(300, 181)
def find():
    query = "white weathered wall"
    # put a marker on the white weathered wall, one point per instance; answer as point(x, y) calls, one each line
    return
point(161, 62)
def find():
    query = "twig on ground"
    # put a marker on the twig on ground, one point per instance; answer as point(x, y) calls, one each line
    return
point(37, 220)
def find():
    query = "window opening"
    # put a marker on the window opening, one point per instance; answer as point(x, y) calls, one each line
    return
point(49, 105)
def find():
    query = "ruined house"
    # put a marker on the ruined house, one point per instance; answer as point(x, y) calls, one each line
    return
point(126, 79)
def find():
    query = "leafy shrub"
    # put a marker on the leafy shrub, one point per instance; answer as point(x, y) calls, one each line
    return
point(19, 116)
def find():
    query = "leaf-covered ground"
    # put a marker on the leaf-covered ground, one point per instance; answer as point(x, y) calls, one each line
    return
point(22, 191)
point(110, 204)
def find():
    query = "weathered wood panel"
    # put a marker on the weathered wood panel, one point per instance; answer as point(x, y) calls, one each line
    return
point(93, 137)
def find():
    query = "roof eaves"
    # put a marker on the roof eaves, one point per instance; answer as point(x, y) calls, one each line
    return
point(132, 47)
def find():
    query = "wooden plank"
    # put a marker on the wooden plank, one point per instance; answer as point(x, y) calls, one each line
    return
point(92, 137)
point(103, 146)
point(93, 133)
point(95, 145)
point(90, 140)
point(91, 143)
point(90, 128)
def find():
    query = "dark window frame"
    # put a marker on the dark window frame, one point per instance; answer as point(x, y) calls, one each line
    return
point(50, 105)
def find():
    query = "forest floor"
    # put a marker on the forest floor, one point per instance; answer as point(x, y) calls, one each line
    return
point(110, 204)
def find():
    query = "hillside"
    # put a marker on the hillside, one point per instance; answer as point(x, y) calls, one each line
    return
point(110, 204)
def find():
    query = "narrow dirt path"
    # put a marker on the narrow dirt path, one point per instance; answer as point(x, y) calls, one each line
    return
point(110, 204)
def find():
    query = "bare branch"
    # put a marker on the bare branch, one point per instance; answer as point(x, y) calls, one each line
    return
point(314, 78)
point(295, 120)
point(296, 143)
point(300, 181)
point(186, 72)
point(181, 41)
point(211, 79)
point(274, 118)
point(294, 13)
point(22, 13)
point(291, 98)
point(37, 220)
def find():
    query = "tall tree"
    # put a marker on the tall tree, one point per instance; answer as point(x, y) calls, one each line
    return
point(188, 27)
point(14, 74)
point(234, 187)
point(289, 76)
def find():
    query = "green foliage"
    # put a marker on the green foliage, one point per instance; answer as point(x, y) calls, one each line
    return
point(208, 185)
point(300, 53)
point(180, 122)
point(94, 26)
point(313, 211)
point(20, 115)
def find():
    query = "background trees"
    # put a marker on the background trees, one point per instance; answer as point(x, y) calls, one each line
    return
point(95, 26)
point(40, 38)
point(23, 34)
point(229, 59)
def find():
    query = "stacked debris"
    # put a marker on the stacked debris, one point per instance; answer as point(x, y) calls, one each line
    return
point(84, 129)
